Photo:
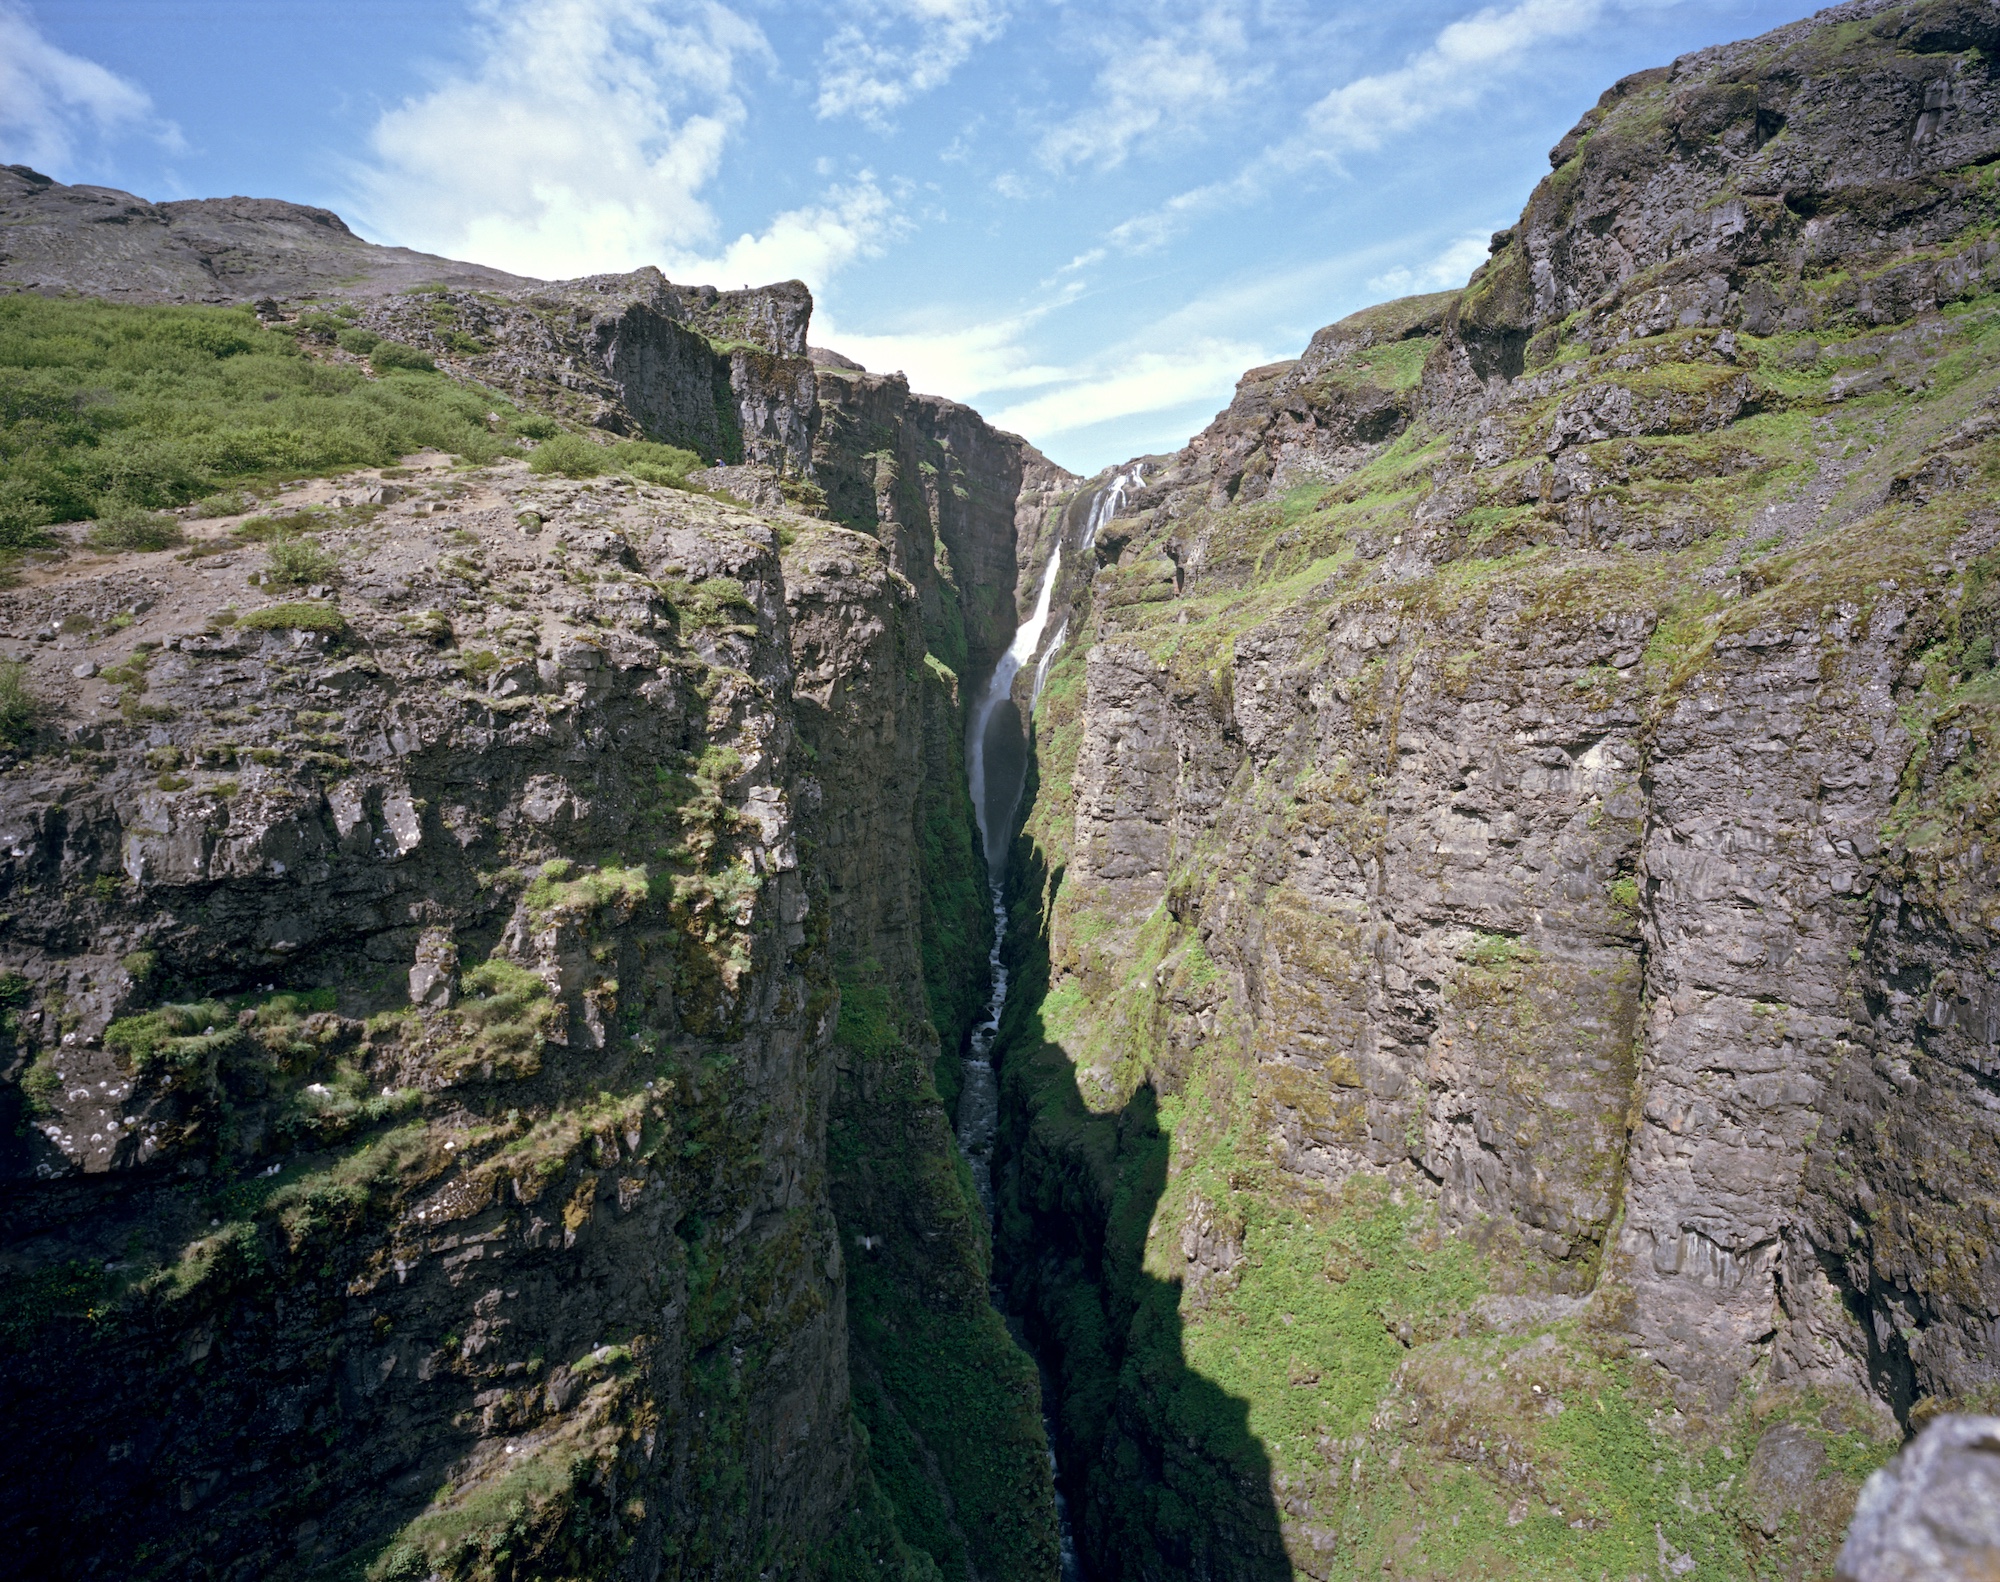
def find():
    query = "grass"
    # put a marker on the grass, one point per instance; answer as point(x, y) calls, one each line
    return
point(106, 408)
point(510, 1015)
point(306, 616)
point(19, 708)
point(130, 527)
point(573, 456)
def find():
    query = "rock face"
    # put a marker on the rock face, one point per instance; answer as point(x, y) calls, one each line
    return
point(1500, 1077)
point(1933, 1512)
point(1507, 876)
point(100, 242)
point(429, 997)
point(540, 870)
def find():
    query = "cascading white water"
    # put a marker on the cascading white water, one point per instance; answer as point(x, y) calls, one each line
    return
point(979, 1100)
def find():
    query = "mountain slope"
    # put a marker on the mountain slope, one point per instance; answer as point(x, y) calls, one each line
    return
point(1506, 1082)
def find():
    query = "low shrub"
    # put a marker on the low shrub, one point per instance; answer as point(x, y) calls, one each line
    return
point(299, 562)
point(387, 355)
point(574, 456)
point(571, 456)
point(359, 341)
point(306, 616)
point(133, 527)
point(228, 503)
point(19, 708)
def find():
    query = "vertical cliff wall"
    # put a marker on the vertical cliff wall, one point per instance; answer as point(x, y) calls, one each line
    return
point(1501, 1083)
point(475, 1026)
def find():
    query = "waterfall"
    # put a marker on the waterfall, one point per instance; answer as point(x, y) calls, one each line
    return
point(979, 1101)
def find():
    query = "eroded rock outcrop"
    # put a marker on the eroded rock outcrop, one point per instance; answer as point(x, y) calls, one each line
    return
point(424, 1012)
point(1505, 891)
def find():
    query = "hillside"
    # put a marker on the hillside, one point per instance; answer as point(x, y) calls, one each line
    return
point(1496, 1074)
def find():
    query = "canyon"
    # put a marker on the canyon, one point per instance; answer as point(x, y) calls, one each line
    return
point(1405, 989)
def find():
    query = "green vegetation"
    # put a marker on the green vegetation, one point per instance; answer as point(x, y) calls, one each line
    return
point(130, 527)
point(297, 562)
point(178, 1039)
point(106, 407)
point(305, 616)
point(390, 356)
point(574, 456)
point(19, 708)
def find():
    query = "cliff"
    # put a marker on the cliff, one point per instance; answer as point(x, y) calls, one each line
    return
point(485, 945)
point(1503, 1081)
point(1498, 1075)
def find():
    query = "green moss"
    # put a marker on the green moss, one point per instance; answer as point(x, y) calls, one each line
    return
point(301, 617)
point(559, 888)
point(173, 1038)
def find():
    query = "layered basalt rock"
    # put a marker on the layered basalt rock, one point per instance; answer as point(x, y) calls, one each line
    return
point(1516, 776)
point(427, 1024)
point(424, 1009)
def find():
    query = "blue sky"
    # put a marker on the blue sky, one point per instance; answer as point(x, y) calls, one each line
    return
point(1086, 219)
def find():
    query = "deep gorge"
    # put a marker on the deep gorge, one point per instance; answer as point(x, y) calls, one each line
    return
point(1484, 852)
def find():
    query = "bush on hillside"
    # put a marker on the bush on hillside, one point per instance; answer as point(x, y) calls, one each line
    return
point(296, 562)
point(570, 456)
point(394, 355)
point(359, 341)
point(125, 527)
point(18, 706)
point(573, 456)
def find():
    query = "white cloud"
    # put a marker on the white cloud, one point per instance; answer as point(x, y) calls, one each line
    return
point(1450, 268)
point(1458, 67)
point(864, 76)
point(811, 244)
point(581, 141)
point(51, 99)
point(1466, 60)
point(961, 361)
point(995, 358)
point(1152, 87)
point(1130, 384)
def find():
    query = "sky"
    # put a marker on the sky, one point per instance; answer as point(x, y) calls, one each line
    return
point(1086, 218)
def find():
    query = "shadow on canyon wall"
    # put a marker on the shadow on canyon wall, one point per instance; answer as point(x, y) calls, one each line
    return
point(1164, 1477)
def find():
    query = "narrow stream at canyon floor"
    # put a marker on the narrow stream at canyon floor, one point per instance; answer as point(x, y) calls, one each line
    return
point(996, 766)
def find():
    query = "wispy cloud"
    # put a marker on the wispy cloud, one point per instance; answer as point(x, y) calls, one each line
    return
point(812, 244)
point(51, 100)
point(958, 359)
point(1466, 61)
point(1131, 383)
point(896, 50)
point(1462, 64)
point(1151, 87)
point(1449, 268)
point(582, 138)
point(991, 361)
